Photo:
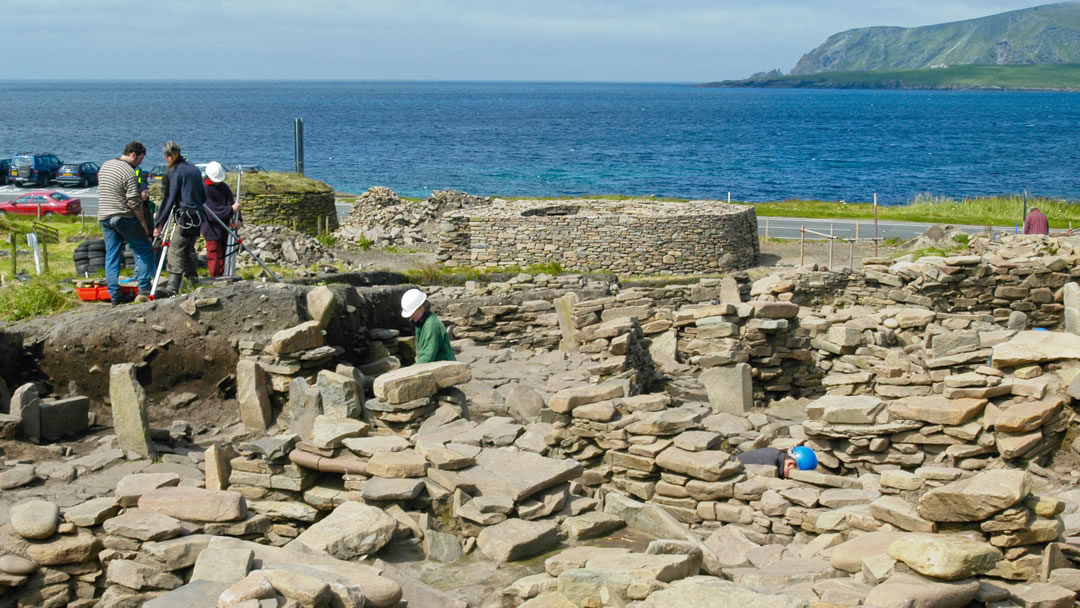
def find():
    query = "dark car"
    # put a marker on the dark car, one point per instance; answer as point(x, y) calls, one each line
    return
point(78, 174)
point(156, 173)
point(39, 169)
point(5, 168)
point(49, 201)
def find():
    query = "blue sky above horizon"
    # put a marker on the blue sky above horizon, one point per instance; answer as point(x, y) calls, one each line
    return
point(558, 40)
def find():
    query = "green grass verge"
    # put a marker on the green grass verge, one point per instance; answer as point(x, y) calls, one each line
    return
point(983, 211)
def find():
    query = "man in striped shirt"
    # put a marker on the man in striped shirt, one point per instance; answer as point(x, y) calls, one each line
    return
point(123, 220)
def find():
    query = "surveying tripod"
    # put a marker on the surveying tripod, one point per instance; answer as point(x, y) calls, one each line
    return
point(166, 240)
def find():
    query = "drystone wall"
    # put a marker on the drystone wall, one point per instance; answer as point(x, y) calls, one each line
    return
point(632, 238)
point(301, 211)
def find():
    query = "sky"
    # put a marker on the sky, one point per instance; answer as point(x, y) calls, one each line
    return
point(522, 40)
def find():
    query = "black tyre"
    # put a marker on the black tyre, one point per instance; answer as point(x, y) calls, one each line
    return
point(47, 214)
point(80, 256)
point(96, 261)
point(98, 245)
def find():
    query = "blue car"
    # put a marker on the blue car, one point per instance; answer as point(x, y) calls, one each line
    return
point(34, 169)
point(78, 174)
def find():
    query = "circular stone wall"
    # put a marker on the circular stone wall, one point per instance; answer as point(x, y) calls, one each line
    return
point(625, 237)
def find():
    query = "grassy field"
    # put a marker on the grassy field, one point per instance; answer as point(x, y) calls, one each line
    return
point(985, 211)
point(1041, 77)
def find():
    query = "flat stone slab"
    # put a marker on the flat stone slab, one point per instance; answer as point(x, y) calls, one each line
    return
point(406, 463)
point(351, 530)
point(710, 465)
point(936, 409)
point(367, 446)
point(664, 568)
point(196, 504)
point(143, 525)
point(1028, 347)
point(379, 488)
point(35, 519)
point(564, 401)
point(711, 592)
point(975, 498)
point(195, 593)
point(421, 380)
point(516, 539)
point(944, 556)
point(861, 409)
point(900, 589)
point(131, 487)
point(509, 472)
point(848, 556)
point(65, 549)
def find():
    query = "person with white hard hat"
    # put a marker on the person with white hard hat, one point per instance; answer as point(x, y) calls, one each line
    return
point(432, 341)
point(221, 202)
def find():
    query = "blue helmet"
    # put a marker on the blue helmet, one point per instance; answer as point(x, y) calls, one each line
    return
point(804, 457)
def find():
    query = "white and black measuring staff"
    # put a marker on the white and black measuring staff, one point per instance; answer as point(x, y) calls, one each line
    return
point(233, 247)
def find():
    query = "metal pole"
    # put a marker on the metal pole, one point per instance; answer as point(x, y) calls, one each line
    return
point(851, 255)
point(802, 244)
point(832, 242)
point(298, 142)
point(856, 230)
point(875, 225)
point(14, 251)
point(1024, 217)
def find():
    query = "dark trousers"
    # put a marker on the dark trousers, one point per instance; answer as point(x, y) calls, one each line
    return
point(181, 259)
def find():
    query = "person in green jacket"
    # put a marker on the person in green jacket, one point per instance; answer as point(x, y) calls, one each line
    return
point(432, 342)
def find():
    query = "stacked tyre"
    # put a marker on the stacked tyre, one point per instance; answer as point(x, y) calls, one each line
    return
point(89, 258)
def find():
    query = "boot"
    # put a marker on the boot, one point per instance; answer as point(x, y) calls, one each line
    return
point(171, 289)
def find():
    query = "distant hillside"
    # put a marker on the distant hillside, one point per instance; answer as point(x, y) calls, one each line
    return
point(960, 77)
point(1044, 34)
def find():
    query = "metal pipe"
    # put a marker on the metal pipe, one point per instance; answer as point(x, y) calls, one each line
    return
point(802, 245)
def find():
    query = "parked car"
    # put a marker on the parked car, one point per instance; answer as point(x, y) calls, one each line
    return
point(78, 174)
point(156, 173)
point(52, 202)
point(5, 168)
point(39, 169)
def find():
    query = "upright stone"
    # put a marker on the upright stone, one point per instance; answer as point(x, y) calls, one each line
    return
point(564, 309)
point(305, 404)
point(730, 388)
point(129, 411)
point(218, 468)
point(1071, 293)
point(26, 406)
point(253, 394)
point(341, 395)
point(321, 305)
point(729, 291)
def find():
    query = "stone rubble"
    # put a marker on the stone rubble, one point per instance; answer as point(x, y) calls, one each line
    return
point(381, 218)
point(617, 413)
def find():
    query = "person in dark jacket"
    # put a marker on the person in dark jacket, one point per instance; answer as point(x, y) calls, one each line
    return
point(221, 202)
point(801, 457)
point(185, 200)
point(432, 341)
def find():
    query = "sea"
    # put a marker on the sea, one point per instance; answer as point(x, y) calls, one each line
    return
point(551, 139)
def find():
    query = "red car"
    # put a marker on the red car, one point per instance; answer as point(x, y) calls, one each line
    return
point(51, 202)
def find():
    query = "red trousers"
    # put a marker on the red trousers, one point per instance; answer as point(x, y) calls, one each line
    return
point(215, 257)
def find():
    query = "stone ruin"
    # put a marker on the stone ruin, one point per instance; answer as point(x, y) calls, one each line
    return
point(582, 410)
point(381, 218)
point(626, 237)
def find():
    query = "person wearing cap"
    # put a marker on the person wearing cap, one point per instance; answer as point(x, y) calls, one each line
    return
point(801, 457)
point(221, 202)
point(432, 341)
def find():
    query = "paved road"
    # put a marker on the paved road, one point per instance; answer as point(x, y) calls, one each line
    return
point(778, 227)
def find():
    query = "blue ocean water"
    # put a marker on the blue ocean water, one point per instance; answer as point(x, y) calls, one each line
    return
point(553, 139)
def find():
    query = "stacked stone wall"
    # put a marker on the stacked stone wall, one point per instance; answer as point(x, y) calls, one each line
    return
point(626, 238)
point(302, 211)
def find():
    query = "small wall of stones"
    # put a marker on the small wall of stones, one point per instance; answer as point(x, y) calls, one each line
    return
point(592, 235)
point(302, 211)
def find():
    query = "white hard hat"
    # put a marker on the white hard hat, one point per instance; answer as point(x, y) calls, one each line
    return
point(412, 300)
point(215, 172)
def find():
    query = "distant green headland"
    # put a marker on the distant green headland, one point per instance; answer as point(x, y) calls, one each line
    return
point(1045, 77)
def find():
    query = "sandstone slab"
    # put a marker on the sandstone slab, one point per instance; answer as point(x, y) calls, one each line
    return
point(516, 539)
point(351, 530)
point(196, 504)
point(941, 556)
point(975, 498)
